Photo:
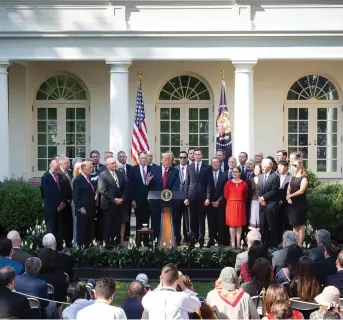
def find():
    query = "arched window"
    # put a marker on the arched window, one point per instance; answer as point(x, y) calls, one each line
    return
point(184, 87)
point(61, 87)
point(312, 87)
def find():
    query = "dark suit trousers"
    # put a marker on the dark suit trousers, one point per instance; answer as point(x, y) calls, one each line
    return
point(284, 223)
point(197, 217)
point(85, 229)
point(112, 219)
point(67, 227)
point(216, 223)
point(269, 223)
point(181, 211)
point(142, 213)
point(54, 224)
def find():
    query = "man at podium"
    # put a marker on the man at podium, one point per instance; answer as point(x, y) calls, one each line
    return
point(161, 178)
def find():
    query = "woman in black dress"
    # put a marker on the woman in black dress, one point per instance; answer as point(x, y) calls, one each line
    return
point(296, 197)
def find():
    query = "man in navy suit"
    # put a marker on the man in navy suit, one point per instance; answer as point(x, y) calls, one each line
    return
point(197, 196)
point(243, 158)
point(6, 252)
point(150, 159)
point(52, 189)
point(138, 191)
point(221, 155)
point(162, 177)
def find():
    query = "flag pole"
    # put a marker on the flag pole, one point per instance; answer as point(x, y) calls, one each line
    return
point(140, 75)
point(223, 73)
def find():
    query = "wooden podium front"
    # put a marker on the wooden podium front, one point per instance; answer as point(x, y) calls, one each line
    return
point(166, 238)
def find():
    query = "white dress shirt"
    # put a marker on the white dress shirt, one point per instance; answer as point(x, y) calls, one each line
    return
point(222, 167)
point(163, 169)
point(101, 310)
point(282, 179)
point(196, 164)
point(183, 172)
point(168, 304)
point(142, 169)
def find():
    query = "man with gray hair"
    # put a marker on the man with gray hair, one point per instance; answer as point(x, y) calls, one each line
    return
point(322, 237)
point(241, 258)
point(19, 255)
point(279, 257)
point(268, 198)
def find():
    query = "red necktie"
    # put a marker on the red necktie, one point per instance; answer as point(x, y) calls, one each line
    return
point(57, 181)
point(164, 178)
point(144, 174)
point(90, 183)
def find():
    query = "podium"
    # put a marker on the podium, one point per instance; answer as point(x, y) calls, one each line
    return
point(167, 200)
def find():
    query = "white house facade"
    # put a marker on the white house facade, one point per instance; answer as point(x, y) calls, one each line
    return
point(68, 77)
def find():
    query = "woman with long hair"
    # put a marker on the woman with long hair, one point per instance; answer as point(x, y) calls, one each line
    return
point(297, 200)
point(305, 284)
point(254, 219)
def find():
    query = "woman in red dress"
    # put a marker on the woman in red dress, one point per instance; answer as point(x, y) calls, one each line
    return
point(236, 193)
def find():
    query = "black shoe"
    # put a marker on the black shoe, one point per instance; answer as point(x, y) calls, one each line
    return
point(210, 244)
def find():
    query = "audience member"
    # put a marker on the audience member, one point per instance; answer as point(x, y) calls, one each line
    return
point(279, 256)
point(77, 294)
point(322, 237)
point(242, 258)
point(18, 255)
point(142, 277)
point(205, 311)
point(12, 304)
point(328, 266)
point(283, 310)
point(229, 301)
point(105, 289)
point(328, 300)
point(63, 262)
point(6, 252)
point(132, 306)
point(331, 314)
point(166, 302)
point(337, 278)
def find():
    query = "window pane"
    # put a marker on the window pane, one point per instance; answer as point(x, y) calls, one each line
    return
point(175, 126)
point(70, 139)
point(175, 113)
point(303, 126)
point(175, 139)
point(42, 139)
point(80, 113)
point(205, 152)
point(321, 139)
point(52, 127)
point(42, 164)
point(193, 126)
point(52, 152)
point(41, 113)
point(80, 139)
point(70, 126)
point(164, 126)
point(193, 140)
point(164, 139)
point(52, 113)
point(164, 113)
point(204, 114)
point(80, 126)
point(81, 151)
point(303, 113)
point(52, 139)
point(42, 126)
point(42, 152)
point(204, 140)
point(193, 114)
point(203, 126)
point(292, 140)
point(304, 151)
point(292, 114)
point(292, 126)
point(70, 113)
point(303, 139)
point(70, 152)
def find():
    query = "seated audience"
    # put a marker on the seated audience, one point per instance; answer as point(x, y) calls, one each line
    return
point(132, 306)
point(12, 304)
point(262, 277)
point(337, 278)
point(283, 310)
point(327, 267)
point(205, 311)
point(242, 258)
point(166, 302)
point(328, 300)
point(294, 253)
point(304, 284)
point(77, 294)
point(322, 237)
point(142, 277)
point(229, 301)
point(279, 257)
point(332, 315)
point(6, 252)
point(105, 289)
point(276, 293)
point(257, 250)
point(63, 261)
point(19, 255)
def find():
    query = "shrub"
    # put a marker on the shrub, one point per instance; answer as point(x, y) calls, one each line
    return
point(20, 205)
point(326, 207)
point(313, 181)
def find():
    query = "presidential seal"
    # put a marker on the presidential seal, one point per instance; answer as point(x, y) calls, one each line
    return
point(166, 195)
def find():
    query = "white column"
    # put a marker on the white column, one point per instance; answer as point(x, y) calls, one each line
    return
point(4, 128)
point(243, 126)
point(120, 124)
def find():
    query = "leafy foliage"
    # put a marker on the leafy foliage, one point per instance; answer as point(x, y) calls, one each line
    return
point(313, 181)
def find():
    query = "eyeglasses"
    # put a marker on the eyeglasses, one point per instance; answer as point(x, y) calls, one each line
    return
point(235, 171)
point(182, 157)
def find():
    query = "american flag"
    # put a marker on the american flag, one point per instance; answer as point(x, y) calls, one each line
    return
point(139, 134)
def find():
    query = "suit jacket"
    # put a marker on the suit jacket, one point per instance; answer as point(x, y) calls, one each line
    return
point(270, 190)
point(173, 179)
point(67, 190)
point(241, 258)
point(182, 183)
point(317, 254)
point(65, 263)
point(32, 285)
point(197, 187)
point(14, 305)
point(216, 192)
point(109, 190)
point(284, 187)
point(52, 195)
point(336, 280)
point(279, 259)
point(20, 256)
point(325, 268)
point(128, 170)
point(226, 166)
point(18, 268)
point(83, 195)
point(138, 191)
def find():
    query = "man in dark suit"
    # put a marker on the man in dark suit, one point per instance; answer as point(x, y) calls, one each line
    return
point(138, 191)
point(12, 304)
point(6, 252)
point(191, 155)
point(336, 279)
point(269, 184)
point(285, 178)
point(18, 255)
point(181, 210)
point(322, 237)
point(52, 189)
point(83, 196)
point(243, 158)
point(162, 177)
point(216, 210)
point(150, 159)
point(113, 190)
point(197, 196)
point(221, 155)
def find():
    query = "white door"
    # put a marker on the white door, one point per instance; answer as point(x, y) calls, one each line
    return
point(184, 125)
point(313, 130)
point(60, 129)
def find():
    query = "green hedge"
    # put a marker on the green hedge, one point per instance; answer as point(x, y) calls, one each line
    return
point(20, 205)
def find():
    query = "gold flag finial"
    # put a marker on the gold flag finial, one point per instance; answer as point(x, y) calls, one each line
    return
point(223, 73)
point(139, 75)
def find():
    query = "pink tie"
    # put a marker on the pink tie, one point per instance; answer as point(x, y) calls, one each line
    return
point(90, 183)
point(144, 174)
point(57, 181)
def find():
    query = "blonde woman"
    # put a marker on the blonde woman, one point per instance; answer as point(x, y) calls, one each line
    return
point(297, 201)
point(254, 218)
point(76, 172)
